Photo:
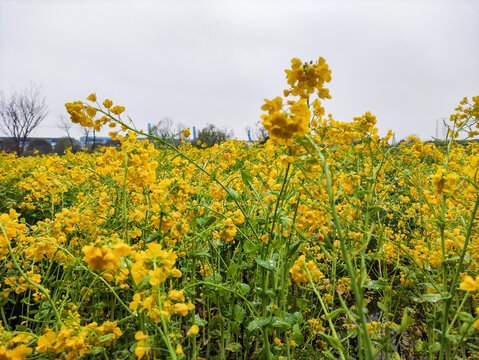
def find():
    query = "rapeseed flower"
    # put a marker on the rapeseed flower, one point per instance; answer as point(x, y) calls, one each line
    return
point(469, 283)
point(105, 257)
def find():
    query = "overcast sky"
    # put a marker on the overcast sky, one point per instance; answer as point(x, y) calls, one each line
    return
point(200, 62)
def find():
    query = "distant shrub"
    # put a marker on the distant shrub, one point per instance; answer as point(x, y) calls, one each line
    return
point(211, 135)
point(41, 145)
point(64, 143)
point(7, 145)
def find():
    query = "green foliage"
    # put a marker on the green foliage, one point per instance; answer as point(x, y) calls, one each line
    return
point(211, 135)
point(41, 145)
point(64, 143)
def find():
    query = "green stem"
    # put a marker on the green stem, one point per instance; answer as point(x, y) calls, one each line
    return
point(371, 352)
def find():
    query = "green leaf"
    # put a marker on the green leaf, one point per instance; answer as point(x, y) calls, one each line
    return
point(238, 314)
point(258, 324)
point(153, 237)
point(107, 337)
point(379, 284)
point(406, 321)
point(232, 270)
point(432, 298)
point(335, 313)
point(301, 303)
point(214, 172)
point(201, 253)
point(293, 248)
point(199, 321)
point(250, 246)
point(243, 288)
point(233, 193)
point(280, 323)
point(376, 208)
point(464, 316)
point(269, 264)
point(246, 177)
point(207, 221)
point(95, 351)
point(216, 320)
point(214, 278)
point(382, 306)
point(334, 342)
point(233, 347)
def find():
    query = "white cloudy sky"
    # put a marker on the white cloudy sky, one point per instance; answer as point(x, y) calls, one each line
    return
point(200, 62)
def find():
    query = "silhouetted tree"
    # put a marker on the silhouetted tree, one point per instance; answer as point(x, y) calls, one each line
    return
point(20, 114)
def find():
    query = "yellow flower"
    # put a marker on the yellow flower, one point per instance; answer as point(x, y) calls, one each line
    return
point(107, 103)
point(445, 183)
point(193, 330)
point(469, 284)
point(186, 132)
point(104, 257)
point(176, 295)
point(283, 127)
point(229, 230)
point(299, 272)
point(46, 342)
point(91, 112)
point(179, 350)
point(306, 78)
point(12, 229)
point(142, 346)
point(180, 308)
point(113, 135)
point(476, 323)
point(117, 110)
point(91, 97)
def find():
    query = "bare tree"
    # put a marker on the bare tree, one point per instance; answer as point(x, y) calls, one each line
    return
point(258, 133)
point(21, 114)
point(66, 125)
point(86, 131)
point(163, 129)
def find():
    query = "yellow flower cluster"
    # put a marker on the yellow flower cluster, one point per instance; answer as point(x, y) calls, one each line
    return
point(105, 257)
point(445, 183)
point(88, 207)
point(228, 230)
point(9, 230)
point(299, 271)
point(85, 115)
point(283, 127)
point(154, 262)
point(305, 79)
point(466, 118)
point(12, 346)
point(74, 340)
point(469, 283)
point(142, 345)
point(171, 305)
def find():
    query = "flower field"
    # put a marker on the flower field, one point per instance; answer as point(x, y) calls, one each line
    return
point(324, 242)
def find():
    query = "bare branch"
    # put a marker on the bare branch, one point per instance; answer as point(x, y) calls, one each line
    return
point(21, 114)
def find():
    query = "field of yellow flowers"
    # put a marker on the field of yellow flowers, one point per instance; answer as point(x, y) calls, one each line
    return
point(325, 242)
